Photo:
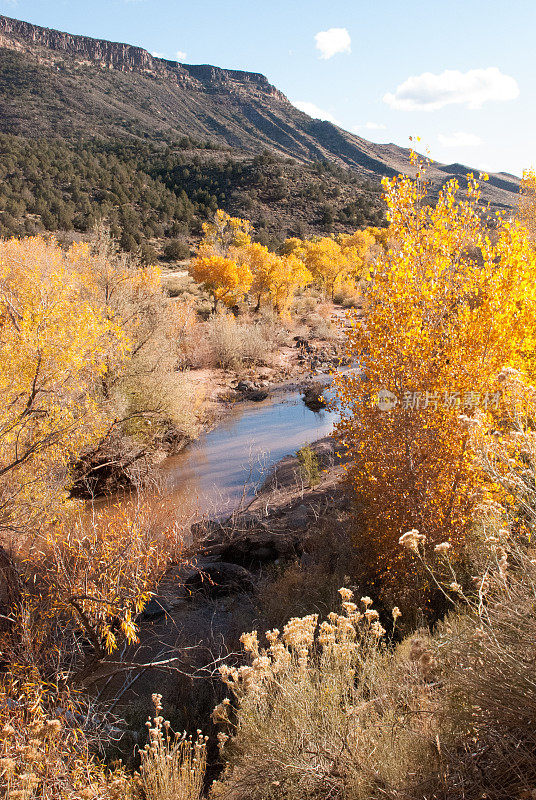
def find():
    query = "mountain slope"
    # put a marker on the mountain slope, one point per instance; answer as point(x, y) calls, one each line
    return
point(58, 83)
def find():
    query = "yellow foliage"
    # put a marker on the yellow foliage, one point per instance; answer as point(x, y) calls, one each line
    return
point(291, 273)
point(328, 263)
point(221, 265)
point(224, 234)
point(380, 235)
point(227, 280)
point(56, 351)
point(527, 202)
point(43, 752)
point(446, 310)
point(275, 277)
point(99, 572)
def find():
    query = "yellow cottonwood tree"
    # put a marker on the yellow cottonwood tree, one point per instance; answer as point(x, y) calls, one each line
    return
point(225, 279)
point(291, 273)
point(327, 262)
point(223, 234)
point(275, 278)
point(55, 349)
point(447, 309)
point(262, 264)
point(221, 265)
point(527, 202)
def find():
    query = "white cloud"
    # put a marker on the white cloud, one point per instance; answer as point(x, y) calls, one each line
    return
point(459, 139)
point(180, 55)
point(430, 92)
point(314, 111)
point(333, 41)
point(371, 126)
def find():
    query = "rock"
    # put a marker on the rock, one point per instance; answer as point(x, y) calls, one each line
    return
point(313, 398)
point(220, 578)
point(266, 374)
point(257, 395)
point(251, 392)
point(260, 546)
point(298, 517)
point(230, 396)
point(155, 608)
point(245, 386)
point(303, 344)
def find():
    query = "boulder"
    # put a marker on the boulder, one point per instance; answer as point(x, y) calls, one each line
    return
point(260, 546)
point(313, 398)
point(218, 578)
point(155, 608)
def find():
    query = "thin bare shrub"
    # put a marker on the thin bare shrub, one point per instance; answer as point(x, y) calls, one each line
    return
point(83, 582)
point(235, 344)
point(172, 764)
point(45, 754)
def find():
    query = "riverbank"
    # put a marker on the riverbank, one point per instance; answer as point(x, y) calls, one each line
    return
point(284, 555)
point(211, 395)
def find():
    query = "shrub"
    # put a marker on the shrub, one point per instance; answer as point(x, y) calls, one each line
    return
point(309, 466)
point(447, 309)
point(320, 328)
point(488, 718)
point(157, 405)
point(57, 350)
point(325, 711)
point(45, 754)
point(176, 250)
point(172, 765)
point(235, 344)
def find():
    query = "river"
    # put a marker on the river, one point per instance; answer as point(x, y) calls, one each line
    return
point(222, 468)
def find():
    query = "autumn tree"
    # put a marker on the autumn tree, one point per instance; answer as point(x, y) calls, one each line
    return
point(327, 262)
point(225, 279)
point(275, 278)
point(358, 247)
point(223, 234)
point(144, 395)
point(221, 265)
point(56, 351)
point(446, 310)
point(290, 274)
point(92, 573)
point(527, 202)
point(262, 264)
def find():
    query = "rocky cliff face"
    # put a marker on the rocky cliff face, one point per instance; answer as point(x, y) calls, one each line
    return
point(49, 45)
point(21, 35)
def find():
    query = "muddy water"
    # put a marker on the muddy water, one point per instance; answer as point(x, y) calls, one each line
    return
point(221, 469)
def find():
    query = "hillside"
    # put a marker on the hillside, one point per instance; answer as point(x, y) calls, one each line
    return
point(89, 93)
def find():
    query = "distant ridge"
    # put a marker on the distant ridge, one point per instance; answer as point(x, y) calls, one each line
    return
point(59, 84)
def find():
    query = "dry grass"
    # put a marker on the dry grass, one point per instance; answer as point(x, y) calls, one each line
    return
point(488, 716)
point(234, 344)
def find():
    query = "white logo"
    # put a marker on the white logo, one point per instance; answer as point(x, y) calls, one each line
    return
point(386, 400)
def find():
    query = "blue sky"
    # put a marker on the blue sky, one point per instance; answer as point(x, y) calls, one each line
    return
point(459, 74)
